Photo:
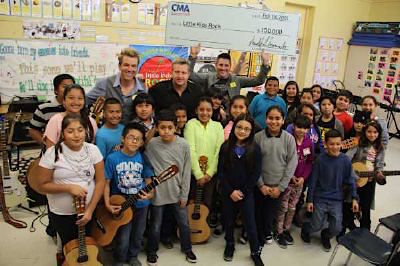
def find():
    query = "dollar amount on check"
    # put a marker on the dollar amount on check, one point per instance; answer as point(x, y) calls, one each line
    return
point(236, 28)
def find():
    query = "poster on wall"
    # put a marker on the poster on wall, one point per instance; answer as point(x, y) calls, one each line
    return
point(28, 67)
point(328, 61)
point(156, 61)
point(55, 29)
point(15, 7)
point(26, 8)
point(37, 8)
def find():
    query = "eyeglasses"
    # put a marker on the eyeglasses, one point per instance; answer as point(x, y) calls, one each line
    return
point(134, 139)
point(245, 129)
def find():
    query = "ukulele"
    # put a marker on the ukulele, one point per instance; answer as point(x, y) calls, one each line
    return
point(96, 111)
point(81, 251)
point(364, 174)
point(107, 224)
point(12, 193)
point(198, 212)
point(350, 143)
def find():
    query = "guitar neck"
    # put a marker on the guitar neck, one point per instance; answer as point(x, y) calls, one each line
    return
point(198, 199)
point(372, 173)
point(135, 197)
point(82, 243)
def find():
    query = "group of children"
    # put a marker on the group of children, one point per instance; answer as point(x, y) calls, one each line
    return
point(263, 155)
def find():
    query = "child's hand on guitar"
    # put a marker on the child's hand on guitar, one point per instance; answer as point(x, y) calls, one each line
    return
point(265, 190)
point(87, 216)
point(77, 191)
point(114, 209)
point(236, 195)
point(204, 180)
point(144, 195)
point(310, 207)
point(275, 192)
point(298, 181)
point(380, 178)
point(355, 206)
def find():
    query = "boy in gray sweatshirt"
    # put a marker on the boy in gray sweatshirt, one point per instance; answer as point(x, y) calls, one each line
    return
point(164, 151)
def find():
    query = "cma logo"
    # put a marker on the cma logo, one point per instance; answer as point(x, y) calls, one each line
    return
point(180, 9)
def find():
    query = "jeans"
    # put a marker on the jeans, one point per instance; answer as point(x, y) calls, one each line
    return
point(288, 208)
point(266, 212)
point(181, 218)
point(246, 206)
point(168, 225)
point(325, 211)
point(128, 241)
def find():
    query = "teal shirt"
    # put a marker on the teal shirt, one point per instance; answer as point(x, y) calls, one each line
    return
point(260, 105)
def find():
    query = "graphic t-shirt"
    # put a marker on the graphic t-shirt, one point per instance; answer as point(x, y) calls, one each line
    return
point(128, 174)
point(326, 126)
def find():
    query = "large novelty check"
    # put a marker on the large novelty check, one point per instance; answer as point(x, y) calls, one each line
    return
point(228, 27)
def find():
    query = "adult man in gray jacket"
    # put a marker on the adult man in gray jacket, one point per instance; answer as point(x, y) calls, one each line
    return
point(223, 79)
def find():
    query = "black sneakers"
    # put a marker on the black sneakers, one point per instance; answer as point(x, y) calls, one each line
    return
point(152, 260)
point(280, 239)
point(256, 257)
point(228, 252)
point(268, 239)
point(190, 257)
point(288, 237)
point(305, 237)
point(325, 240)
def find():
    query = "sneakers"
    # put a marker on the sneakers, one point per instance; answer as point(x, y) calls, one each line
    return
point(305, 237)
point(325, 240)
point(134, 262)
point(213, 220)
point(288, 237)
point(152, 259)
point(228, 252)
point(243, 237)
point(257, 259)
point(218, 231)
point(280, 239)
point(268, 239)
point(190, 257)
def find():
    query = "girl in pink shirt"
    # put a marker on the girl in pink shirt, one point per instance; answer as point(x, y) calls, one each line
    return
point(74, 103)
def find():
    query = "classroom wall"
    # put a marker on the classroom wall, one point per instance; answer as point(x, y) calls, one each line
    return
point(325, 18)
point(385, 11)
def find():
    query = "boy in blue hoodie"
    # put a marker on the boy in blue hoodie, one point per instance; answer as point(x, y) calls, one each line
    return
point(332, 172)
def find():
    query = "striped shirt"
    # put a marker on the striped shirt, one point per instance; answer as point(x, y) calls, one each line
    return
point(43, 113)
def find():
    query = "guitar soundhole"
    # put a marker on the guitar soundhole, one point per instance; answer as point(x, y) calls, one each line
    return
point(83, 259)
point(196, 216)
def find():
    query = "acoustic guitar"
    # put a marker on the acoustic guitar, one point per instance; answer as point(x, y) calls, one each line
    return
point(81, 251)
point(362, 171)
point(96, 111)
point(350, 143)
point(197, 212)
point(106, 224)
point(12, 193)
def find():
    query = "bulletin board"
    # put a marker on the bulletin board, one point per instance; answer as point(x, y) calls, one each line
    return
point(327, 64)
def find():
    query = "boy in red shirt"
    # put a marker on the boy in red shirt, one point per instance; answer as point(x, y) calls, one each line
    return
point(343, 101)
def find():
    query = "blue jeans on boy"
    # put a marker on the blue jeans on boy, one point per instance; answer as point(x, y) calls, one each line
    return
point(128, 241)
point(330, 211)
point(181, 218)
point(246, 206)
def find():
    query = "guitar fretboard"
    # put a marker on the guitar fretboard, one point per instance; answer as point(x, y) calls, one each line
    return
point(133, 198)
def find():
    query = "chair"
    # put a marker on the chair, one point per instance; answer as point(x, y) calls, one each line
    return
point(391, 222)
point(367, 246)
